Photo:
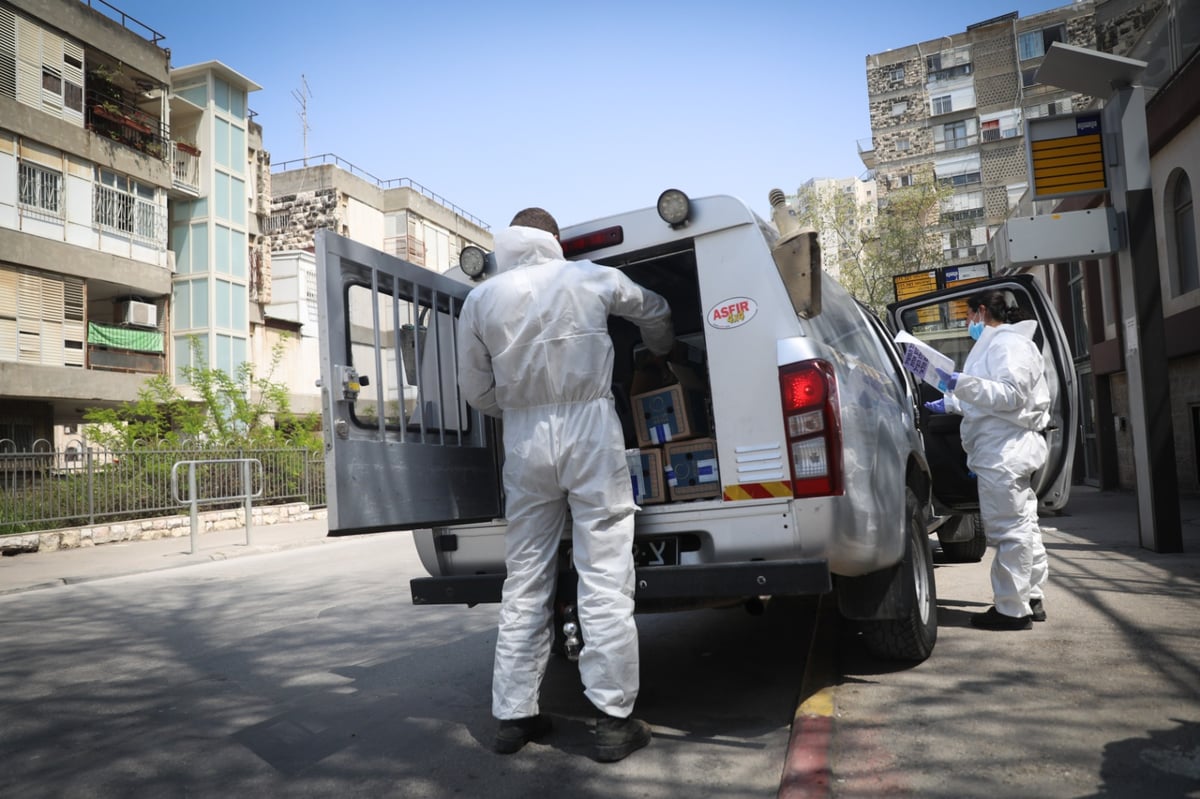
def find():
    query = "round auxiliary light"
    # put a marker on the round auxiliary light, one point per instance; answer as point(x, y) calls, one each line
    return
point(472, 261)
point(674, 207)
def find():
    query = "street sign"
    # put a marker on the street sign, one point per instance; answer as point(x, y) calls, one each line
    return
point(1066, 155)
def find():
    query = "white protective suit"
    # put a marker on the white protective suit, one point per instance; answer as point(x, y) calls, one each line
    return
point(534, 349)
point(1002, 395)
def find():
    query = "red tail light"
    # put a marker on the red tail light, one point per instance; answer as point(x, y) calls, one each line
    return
point(808, 390)
point(596, 240)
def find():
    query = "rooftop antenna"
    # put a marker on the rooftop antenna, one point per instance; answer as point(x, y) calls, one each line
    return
point(302, 98)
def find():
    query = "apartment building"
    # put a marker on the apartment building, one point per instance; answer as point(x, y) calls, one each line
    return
point(846, 207)
point(952, 109)
point(88, 164)
point(400, 217)
point(1166, 35)
point(215, 232)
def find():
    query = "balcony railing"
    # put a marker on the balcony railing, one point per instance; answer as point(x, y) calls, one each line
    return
point(120, 212)
point(959, 253)
point(125, 349)
point(126, 125)
point(955, 143)
point(185, 166)
point(998, 134)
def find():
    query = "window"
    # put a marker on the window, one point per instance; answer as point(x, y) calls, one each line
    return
point(906, 179)
point(903, 144)
point(1034, 44)
point(40, 188)
point(1080, 337)
point(51, 81)
point(123, 205)
point(991, 130)
point(1029, 77)
point(942, 105)
point(1182, 233)
point(962, 179)
point(898, 109)
point(955, 135)
point(896, 74)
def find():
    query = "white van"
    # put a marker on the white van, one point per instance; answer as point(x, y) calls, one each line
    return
point(802, 470)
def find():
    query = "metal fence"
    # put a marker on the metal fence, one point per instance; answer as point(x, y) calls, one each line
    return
point(43, 489)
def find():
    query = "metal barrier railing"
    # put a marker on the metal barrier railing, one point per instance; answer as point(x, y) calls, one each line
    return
point(42, 488)
point(195, 499)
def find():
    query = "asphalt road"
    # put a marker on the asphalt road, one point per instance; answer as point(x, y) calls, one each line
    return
point(308, 673)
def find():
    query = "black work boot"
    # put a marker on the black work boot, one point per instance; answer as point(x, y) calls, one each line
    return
point(1038, 609)
point(992, 619)
point(617, 738)
point(512, 734)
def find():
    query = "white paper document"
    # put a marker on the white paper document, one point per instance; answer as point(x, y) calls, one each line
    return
point(922, 359)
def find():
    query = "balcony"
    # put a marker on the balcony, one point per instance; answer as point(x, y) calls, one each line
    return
point(963, 253)
point(185, 167)
point(107, 116)
point(125, 349)
point(866, 151)
point(955, 143)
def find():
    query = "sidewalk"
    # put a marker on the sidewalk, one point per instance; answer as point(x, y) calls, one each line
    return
point(36, 570)
point(1101, 700)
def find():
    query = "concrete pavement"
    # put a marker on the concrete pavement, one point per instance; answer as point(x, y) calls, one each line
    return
point(1101, 700)
point(37, 570)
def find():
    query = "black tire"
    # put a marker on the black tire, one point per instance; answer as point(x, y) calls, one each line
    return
point(966, 551)
point(910, 638)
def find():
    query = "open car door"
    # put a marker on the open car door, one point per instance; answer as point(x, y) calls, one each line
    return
point(940, 320)
point(402, 448)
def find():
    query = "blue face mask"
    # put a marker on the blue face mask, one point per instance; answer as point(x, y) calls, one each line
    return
point(975, 330)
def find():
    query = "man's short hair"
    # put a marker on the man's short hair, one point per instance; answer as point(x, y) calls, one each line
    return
point(536, 218)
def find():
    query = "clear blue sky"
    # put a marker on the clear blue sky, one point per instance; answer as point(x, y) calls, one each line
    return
point(583, 108)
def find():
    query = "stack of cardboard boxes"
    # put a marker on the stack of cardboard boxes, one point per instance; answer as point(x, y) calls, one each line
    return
point(676, 458)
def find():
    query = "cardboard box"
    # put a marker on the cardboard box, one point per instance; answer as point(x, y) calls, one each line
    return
point(691, 469)
point(633, 460)
point(654, 486)
point(671, 413)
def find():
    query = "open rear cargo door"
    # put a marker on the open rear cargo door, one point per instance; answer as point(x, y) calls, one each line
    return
point(940, 319)
point(402, 448)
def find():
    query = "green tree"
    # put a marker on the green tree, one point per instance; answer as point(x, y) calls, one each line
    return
point(243, 410)
point(900, 234)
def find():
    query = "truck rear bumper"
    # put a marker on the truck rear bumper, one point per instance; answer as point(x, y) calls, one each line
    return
point(707, 581)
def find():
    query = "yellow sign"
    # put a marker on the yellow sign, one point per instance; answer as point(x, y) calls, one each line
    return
point(1066, 156)
point(917, 285)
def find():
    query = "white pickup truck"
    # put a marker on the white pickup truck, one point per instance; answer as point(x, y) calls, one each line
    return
point(816, 477)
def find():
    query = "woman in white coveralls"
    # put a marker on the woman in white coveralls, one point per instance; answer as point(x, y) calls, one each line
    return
point(534, 350)
point(1002, 395)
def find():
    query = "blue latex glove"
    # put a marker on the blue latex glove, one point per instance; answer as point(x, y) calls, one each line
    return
point(946, 380)
point(936, 406)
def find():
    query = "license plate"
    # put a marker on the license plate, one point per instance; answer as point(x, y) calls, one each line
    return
point(662, 551)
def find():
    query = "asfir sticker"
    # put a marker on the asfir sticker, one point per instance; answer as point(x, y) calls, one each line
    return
point(732, 312)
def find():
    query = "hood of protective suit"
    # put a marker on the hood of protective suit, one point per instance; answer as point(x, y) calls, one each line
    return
point(522, 246)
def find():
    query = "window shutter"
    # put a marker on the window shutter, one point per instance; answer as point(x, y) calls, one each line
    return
point(74, 326)
point(8, 315)
point(8, 53)
point(29, 319)
point(29, 63)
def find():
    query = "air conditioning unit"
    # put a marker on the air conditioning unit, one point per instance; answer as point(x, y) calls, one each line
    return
point(138, 314)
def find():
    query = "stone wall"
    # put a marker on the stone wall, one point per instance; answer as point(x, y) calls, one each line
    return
point(177, 526)
point(1119, 25)
point(295, 218)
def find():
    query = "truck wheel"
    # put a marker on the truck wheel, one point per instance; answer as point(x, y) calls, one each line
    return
point(911, 637)
point(970, 551)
